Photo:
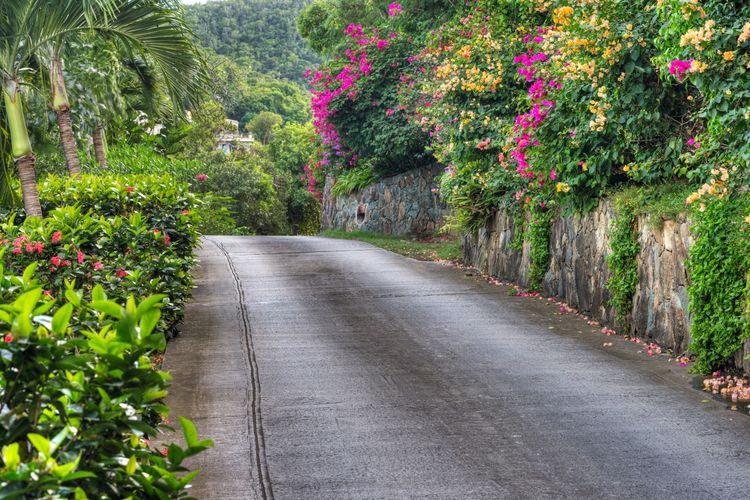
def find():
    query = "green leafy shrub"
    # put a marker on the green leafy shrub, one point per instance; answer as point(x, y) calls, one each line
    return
point(162, 202)
point(87, 296)
point(124, 255)
point(304, 211)
point(81, 398)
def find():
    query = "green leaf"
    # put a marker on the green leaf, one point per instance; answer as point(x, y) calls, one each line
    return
point(97, 294)
point(41, 444)
point(149, 322)
point(130, 468)
point(189, 430)
point(185, 480)
point(10, 456)
point(108, 307)
point(148, 304)
point(62, 471)
point(58, 439)
point(28, 273)
point(61, 319)
point(73, 296)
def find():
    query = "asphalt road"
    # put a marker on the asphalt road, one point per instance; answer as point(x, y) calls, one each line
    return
point(329, 369)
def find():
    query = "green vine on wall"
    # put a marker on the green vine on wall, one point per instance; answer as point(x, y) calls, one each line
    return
point(622, 262)
point(718, 266)
point(538, 236)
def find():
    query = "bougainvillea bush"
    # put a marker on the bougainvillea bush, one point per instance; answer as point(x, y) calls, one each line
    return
point(87, 296)
point(356, 108)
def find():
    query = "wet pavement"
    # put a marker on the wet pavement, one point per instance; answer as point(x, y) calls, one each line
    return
point(330, 369)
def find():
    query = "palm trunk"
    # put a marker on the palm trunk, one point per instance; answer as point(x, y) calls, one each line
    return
point(99, 147)
point(21, 147)
point(27, 174)
point(61, 106)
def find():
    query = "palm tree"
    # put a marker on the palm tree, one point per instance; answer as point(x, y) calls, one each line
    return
point(154, 29)
point(30, 28)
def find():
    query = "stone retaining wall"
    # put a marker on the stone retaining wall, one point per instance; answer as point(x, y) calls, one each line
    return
point(578, 271)
point(407, 203)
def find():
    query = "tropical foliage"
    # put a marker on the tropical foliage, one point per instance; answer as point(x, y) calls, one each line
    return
point(88, 296)
point(542, 106)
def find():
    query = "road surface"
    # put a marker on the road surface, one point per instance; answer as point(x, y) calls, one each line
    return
point(330, 369)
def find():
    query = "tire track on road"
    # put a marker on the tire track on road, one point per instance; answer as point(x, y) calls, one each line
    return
point(256, 421)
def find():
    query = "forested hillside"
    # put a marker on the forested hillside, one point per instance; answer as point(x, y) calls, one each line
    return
point(259, 30)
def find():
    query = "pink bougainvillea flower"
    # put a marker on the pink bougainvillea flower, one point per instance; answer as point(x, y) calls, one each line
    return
point(201, 177)
point(553, 175)
point(394, 9)
point(679, 67)
point(56, 236)
point(694, 143)
point(355, 30)
point(98, 266)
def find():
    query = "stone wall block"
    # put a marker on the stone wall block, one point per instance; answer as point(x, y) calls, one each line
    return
point(401, 204)
point(578, 272)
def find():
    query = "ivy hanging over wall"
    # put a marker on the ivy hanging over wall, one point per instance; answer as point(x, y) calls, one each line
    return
point(538, 236)
point(623, 261)
point(719, 264)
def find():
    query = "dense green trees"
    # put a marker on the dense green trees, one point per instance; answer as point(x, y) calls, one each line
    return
point(256, 30)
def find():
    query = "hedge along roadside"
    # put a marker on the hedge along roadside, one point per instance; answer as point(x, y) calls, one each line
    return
point(80, 396)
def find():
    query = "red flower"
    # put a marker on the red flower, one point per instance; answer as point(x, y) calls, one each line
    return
point(8, 338)
point(80, 257)
point(98, 266)
point(48, 293)
point(56, 260)
point(167, 240)
point(129, 189)
point(29, 247)
point(121, 273)
point(201, 177)
point(66, 262)
point(156, 231)
point(16, 250)
point(185, 212)
point(39, 247)
point(56, 236)
point(164, 451)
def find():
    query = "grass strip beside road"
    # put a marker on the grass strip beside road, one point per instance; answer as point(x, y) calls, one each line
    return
point(430, 248)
